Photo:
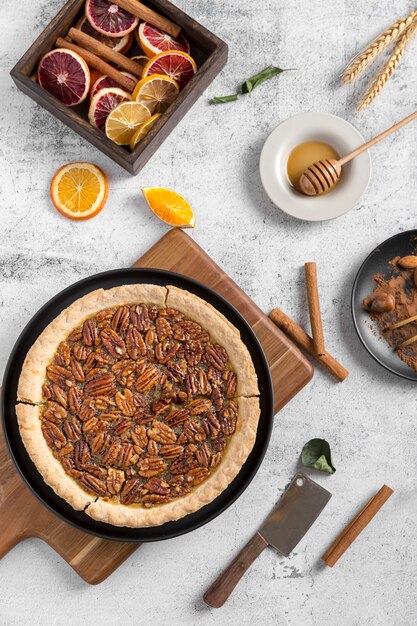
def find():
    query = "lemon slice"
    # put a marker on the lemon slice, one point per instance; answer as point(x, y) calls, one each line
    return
point(156, 92)
point(123, 122)
point(143, 130)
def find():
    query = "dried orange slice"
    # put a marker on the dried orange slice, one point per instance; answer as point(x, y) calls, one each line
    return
point(65, 75)
point(152, 40)
point(110, 19)
point(79, 190)
point(105, 82)
point(118, 44)
point(173, 63)
point(140, 59)
point(169, 206)
point(123, 122)
point(156, 92)
point(143, 130)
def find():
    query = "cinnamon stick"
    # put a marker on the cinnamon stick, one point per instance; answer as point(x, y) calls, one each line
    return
point(356, 526)
point(103, 51)
point(149, 15)
point(298, 334)
point(94, 61)
point(314, 307)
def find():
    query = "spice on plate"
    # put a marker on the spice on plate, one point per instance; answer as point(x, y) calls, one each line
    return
point(394, 300)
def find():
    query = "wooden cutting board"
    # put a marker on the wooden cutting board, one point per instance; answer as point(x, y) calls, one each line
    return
point(94, 559)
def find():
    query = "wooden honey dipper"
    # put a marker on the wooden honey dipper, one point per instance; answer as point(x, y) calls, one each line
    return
point(323, 175)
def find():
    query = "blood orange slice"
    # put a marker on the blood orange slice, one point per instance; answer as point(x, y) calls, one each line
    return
point(103, 103)
point(65, 75)
point(175, 64)
point(109, 19)
point(118, 44)
point(103, 82)
point(152, 40)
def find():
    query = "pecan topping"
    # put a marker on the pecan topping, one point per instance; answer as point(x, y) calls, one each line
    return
point(120, 320)
point(139, 315)
point(228, 418)
point(161, 433)
point(60, 375)
point(54, 412)
point(94, 485)
point(147, 379)
point(115, 480)
point(100, 385)
point(156, 485)
point(125, 402)
point(113, 342)
point(130, 491)
point(89, 333)
point(151, 466)
point(135, 345)
point(194, 432)
point(199, 405)
point(138, 404)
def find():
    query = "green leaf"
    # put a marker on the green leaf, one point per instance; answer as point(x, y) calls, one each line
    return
point(254, 81)
point(316, 454)
point(223, 99)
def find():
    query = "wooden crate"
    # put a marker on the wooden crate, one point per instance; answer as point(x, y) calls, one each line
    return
point(209, 52)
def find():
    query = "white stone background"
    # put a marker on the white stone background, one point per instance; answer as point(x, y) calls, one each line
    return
point(212, 158)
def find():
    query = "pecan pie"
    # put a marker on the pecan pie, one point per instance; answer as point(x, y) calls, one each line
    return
point(138, 404)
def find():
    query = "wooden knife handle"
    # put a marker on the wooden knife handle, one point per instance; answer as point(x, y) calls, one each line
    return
point(223, 586)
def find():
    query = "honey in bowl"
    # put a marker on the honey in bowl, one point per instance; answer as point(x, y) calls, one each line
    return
point(305, 155)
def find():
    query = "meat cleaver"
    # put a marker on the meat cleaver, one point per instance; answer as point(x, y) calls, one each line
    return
point(297, 510)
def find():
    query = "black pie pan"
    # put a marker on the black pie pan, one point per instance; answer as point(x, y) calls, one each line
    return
point(27, 469)
point(377, 262)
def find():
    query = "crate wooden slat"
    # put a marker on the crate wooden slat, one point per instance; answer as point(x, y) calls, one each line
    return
point(210, 53)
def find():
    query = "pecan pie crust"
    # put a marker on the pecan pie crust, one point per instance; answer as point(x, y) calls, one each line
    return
point(139, 404)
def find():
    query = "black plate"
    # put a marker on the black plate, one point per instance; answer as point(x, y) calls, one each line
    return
point(377, 263)
point(28, 470)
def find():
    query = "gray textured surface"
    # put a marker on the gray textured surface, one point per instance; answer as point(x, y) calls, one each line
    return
point(212, 157)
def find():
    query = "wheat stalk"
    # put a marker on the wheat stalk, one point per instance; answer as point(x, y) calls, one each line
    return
point(378, 45)
point(386, 72)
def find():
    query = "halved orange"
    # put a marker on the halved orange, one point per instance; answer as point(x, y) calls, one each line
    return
point(174, 63)
point(79, 190)
point(143, 130)
point(123, 122)
point(169, 206)
point(156, 92)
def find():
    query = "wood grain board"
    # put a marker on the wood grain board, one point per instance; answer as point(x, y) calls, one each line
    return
point(22, 515)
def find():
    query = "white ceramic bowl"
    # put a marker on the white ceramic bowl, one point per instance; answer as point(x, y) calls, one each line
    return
point(335, 131)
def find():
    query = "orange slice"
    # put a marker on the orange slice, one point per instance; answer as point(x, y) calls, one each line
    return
point(156, 92)
point(79, 190)
point(140, 59)
point(169, 206)
point(123, 122)
point(143, 130)
point(174, 63)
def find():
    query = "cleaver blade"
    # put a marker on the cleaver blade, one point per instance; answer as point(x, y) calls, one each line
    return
point(296, 511)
